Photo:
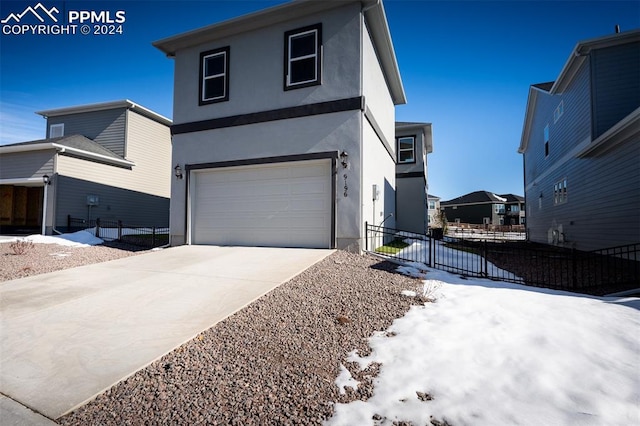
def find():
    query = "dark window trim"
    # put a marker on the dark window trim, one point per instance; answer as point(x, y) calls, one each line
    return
point(226, 50)
point(287, 36)
point(398, 149)
point(339, 105)
point(326, 155)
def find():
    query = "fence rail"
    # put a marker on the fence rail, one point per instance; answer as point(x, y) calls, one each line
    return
point(599, 272)
point(115, 230)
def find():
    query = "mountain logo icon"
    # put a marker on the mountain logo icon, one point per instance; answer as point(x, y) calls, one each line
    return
point(38, 11)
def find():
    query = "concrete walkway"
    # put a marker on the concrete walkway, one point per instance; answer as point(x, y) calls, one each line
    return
point(67, 336)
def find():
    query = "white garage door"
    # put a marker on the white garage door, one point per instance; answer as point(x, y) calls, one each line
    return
point(278, 205)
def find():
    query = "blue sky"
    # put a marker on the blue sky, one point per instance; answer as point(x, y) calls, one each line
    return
point(466, 68)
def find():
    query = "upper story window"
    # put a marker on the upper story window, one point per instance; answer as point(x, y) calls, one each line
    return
point(560, 194)
point(498, 208)
point(546, 140)
point(214, 76)
point(432, 205)
point(56, 130)
point(303, 57)
point(558, 111)
point(407, 149)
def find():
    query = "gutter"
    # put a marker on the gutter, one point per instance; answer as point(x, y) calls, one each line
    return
point(63, 149)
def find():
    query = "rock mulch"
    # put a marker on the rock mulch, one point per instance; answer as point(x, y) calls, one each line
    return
point(42, 258)
point(274, 362)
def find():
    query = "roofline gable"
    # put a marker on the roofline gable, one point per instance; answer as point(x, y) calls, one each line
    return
point(574, 62)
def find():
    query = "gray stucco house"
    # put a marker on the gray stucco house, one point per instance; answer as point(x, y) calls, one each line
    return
point(485, 208)
point(413, 143)
point(581, 148)
point(109, 160)
point(283, 129)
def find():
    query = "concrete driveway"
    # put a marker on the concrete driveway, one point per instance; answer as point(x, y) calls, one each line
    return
point(67, 336)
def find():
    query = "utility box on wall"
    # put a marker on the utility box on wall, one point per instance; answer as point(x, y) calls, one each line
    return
point(93, 200)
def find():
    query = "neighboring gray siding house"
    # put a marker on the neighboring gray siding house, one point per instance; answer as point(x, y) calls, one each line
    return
point(581, 148)
point(109, 160)
point(484, 208)
point(284, 127)
point(413, 143)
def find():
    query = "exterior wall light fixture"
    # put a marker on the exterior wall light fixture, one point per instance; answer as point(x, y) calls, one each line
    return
point(178, 171)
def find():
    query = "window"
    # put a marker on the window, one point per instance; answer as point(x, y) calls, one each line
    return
point(214, 76)
point(515, 208)
point(56, 130)
point(546, 140)
point(406, 150)
point(558, 111)
point(432, 205)
point(560, 194)
point(498, 208)
point(303, 57)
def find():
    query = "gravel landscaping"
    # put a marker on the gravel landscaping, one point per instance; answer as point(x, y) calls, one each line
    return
point(43, 258)
point(273, 362)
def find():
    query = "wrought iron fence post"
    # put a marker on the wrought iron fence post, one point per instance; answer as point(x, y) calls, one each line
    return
point(98, 227)
point(153, 237)
point(574, 268)
point(68, 223)
point(119, 230)
point(366, 235)
point(484, 256)
point(432, 255)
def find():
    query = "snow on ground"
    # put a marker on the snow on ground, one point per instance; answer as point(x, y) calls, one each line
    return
point(492, 353)
point(75, 239)
point(448, 258)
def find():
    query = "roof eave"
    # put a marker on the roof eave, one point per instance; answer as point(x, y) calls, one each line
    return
point(372, 10)
point(103, 106)
point(9, 149)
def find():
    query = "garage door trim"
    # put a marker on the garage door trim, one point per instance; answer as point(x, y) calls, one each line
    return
point(331, 155)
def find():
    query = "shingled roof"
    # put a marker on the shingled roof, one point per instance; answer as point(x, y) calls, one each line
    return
point(73, 144)
point(483, 197)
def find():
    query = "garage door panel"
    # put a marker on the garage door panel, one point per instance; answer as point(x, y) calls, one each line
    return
point(285, 204)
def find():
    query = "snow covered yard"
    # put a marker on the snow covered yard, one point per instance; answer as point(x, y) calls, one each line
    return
point(492, 353)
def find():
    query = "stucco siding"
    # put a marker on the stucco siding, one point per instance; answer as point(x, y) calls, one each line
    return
point(334, 132)
point(375, 90)
point(411, 205)
point(24, 165)
point(105, 127)
point(616, 84)
point(131, 207)
point(378, 169)
point(256, 68)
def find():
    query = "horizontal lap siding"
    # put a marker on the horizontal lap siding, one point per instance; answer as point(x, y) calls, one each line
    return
point(616, 84)
point(132, 207)
point(22, 165)
point(104, 127)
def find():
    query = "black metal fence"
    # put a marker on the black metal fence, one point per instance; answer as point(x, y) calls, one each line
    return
point(598, 272)
point(115, 230)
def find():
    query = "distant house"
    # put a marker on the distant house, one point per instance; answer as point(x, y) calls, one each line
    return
point(108, 160)
point(485, 208)
point(581, 148)
point(284, 127)
point(413, 143)
point(434, 210)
